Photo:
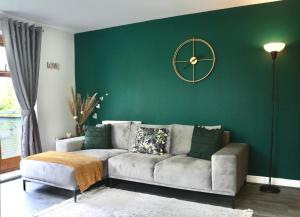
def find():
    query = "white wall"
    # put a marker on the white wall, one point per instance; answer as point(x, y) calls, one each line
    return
point(54, 86)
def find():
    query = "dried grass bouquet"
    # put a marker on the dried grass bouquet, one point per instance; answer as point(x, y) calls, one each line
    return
point(81, 108)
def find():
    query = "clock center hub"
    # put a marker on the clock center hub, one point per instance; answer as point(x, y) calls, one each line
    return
point(193, 60)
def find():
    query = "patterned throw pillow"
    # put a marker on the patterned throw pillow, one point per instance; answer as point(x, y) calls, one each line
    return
point(150, 140)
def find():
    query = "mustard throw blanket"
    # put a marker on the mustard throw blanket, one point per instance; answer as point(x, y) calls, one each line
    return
point(88, 170)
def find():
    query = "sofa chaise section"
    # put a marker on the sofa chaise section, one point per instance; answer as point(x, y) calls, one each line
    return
point(59, 175)
point(53, 174)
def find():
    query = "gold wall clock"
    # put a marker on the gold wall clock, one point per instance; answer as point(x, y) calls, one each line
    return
point(194, 60)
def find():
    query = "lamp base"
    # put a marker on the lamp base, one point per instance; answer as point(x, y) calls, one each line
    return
point(268, 188)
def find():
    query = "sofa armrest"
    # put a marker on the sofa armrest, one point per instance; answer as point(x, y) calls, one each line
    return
point(71, 144)
point(229, 168)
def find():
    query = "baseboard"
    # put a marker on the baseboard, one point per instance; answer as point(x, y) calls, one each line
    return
point(10, 179)
point(275, 181)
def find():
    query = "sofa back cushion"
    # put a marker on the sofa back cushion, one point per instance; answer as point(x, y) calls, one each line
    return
point(134, 127)
point(226, 137)
point(120, 133)
point(182, 138)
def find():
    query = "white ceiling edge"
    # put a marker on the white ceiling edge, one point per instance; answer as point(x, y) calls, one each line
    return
point(71, 30)
point(178, 15)
point(31, 21)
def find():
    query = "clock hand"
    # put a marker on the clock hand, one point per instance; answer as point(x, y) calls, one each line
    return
point(199, 58)
point(187, 65)
point(193, 61)
point(193, 47)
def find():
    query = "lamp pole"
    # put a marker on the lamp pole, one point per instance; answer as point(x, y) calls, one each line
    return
point(273, 48)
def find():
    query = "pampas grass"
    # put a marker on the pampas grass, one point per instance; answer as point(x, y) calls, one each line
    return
point(81, 108)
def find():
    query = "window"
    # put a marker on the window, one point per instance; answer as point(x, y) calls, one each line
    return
point(10, 118)
point(4, 70)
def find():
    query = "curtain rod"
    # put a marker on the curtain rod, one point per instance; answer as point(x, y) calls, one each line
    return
point(19, 20)
point(31, 26)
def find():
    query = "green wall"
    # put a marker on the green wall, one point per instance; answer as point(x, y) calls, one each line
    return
point(133, 63)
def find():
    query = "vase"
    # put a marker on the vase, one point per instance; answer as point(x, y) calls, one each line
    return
point(79, 130)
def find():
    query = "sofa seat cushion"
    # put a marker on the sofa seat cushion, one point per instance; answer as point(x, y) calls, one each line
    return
point(134, 166)
point(102, 154)
point(184, 172)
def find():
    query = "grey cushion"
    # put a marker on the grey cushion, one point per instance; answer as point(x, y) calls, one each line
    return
point(118, 137)
point(134, 127)
point(183, 171)
point(132, 135)
point(134, 165)
point(120, 133)
point(181, 138)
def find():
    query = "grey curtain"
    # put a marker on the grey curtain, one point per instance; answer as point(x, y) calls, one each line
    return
point(23, 48)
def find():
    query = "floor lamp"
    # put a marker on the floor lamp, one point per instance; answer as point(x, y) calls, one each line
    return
point(273, 49)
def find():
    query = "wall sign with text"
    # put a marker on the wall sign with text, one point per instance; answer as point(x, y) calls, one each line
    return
point(53, 65)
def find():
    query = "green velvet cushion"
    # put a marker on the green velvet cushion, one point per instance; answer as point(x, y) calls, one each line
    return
point(205, 142)
point(98, 137)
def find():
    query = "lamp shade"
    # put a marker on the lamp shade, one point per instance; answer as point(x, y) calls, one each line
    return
point(274, 47)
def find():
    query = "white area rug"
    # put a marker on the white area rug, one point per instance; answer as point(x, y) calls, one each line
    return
point(109, 202)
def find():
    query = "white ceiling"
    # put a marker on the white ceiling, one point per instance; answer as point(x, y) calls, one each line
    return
point(86, 15)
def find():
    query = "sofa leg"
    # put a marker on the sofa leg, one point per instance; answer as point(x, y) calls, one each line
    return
point(110, 182)
point(24, 185)
point(75, 195)
point(233, 202)
point(107, 182)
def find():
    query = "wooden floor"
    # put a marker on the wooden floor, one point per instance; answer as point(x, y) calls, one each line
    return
point(17, 203)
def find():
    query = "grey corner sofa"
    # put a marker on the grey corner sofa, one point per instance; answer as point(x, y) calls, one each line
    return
point(224, 174)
